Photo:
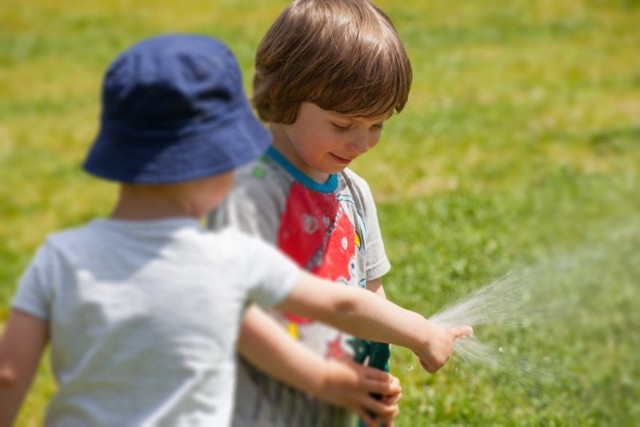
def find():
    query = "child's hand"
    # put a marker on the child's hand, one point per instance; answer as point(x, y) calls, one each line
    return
point(440, 346)
point(350, 385)
point(376, 420)
point(388, 399)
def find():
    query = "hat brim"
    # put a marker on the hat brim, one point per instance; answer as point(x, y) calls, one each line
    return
point(181, 156)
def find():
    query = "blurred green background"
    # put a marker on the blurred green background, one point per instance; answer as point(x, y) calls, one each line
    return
point(520, 147)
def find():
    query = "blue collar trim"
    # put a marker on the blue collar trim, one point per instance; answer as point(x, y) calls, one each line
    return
point(329, 186)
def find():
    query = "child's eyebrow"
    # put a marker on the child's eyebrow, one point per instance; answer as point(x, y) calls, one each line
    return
point(356, 118)
point(369, 121)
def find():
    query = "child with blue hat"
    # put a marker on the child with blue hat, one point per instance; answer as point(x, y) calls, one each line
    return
point(142, 309)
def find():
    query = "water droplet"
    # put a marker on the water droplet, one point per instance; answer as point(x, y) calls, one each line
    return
point(410, 368)
point(500, 349)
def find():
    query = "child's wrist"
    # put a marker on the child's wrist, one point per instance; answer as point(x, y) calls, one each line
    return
point(321, 380)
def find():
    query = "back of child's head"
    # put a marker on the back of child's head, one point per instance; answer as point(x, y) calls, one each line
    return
point(342, 55)
point(174, 109)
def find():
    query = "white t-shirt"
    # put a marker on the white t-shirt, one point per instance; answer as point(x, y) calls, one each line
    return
point(144, 317)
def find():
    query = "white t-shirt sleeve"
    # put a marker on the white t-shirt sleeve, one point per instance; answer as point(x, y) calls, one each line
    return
point(34, 290)
point(273, 272)
point(377, 261)
point(254, 205)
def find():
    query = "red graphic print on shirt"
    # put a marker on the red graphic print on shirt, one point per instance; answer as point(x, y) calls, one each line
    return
point(317, 234)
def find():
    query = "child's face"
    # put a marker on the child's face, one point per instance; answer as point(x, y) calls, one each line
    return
point(321, 142)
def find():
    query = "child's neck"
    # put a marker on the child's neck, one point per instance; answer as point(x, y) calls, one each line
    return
point(142, 203)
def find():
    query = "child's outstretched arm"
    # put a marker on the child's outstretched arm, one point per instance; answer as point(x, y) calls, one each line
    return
point(21, 347)
point(267, 346)
point(364, 314)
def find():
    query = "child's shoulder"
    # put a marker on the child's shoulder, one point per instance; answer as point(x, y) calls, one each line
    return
point(354, 180)
point(64, 243)
point(66, 235)
point(258, 170)
point(351, 175)
point(359, 190)
point(262, 176)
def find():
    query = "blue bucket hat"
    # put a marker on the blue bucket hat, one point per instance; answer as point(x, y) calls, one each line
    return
point(174, 109)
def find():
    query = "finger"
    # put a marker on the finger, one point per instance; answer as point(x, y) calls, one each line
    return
point(390, 386)
point(392, 399)
point(427, 367)
point(379, 408)
point(375, 373)
point(388, 420)
point(461, 332)
point(381, 412)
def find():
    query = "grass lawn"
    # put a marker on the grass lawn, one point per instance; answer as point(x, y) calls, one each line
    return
point(519, 151)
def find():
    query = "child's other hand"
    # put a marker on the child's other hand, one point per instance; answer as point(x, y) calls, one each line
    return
point(389, 400)
point(377, 420)
point(440, 346)
point(350, 385)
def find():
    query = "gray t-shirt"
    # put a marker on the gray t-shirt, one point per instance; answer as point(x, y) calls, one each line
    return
point(144, 318)
point(330, 229)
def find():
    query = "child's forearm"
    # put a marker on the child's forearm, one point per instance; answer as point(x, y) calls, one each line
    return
point(360, 313)
point(380, 320)
point(21, 345)
point(364, 314)
point(265, 344)
point(268, 347)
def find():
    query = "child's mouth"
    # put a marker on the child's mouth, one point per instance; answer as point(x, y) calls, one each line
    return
point(341, 160)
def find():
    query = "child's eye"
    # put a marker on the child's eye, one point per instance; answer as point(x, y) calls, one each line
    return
point(340, 128)
point(377, 126)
